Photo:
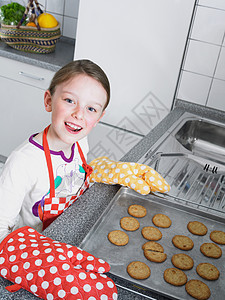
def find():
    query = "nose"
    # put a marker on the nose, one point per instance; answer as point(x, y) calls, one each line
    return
point(78, 112)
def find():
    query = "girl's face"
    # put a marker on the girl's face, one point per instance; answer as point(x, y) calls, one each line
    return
point(77, 106)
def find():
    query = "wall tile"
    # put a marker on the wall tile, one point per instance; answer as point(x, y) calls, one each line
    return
point(209, 25)
point(55, 6)
point(198, 54)
point(217, 95)
point(109, 141)
point(69, 27)
point(71, 8)
point(215, 3)
point(220, 70)
point(194, 88)
point(66, 12)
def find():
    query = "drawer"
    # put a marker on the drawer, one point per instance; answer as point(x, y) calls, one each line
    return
point(25, 73)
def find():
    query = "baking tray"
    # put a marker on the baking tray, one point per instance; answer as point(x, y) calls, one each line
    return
point(97, 243)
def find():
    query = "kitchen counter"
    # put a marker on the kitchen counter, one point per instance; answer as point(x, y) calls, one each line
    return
point(75, 223)
point(63, 54)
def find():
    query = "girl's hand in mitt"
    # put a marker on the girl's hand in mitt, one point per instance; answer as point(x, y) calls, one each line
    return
point(141, 178)
point(53, 270)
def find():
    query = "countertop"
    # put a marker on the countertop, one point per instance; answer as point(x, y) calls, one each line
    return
point(75, 223)
point(63, 54)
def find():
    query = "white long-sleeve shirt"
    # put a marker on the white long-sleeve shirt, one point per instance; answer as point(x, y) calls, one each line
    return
point(25, 181)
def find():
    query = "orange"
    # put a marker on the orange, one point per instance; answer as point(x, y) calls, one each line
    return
point(31, 24)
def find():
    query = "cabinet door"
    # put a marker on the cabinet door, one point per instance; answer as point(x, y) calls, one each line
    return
point(140, 46)
point(22, 113)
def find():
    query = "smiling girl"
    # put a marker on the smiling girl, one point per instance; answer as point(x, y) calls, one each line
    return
point(45, 175)
point(52, 164)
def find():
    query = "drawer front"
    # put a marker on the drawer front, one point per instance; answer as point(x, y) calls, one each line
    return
point(25, 73)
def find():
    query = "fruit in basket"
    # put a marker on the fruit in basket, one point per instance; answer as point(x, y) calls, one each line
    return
point(31, 24)
point(12, 13)
point(47, 20)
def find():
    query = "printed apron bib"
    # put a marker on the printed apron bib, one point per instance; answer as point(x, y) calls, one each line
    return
point(54, 206)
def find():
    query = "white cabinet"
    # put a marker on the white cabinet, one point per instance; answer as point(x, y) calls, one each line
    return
point(22, 110)
point(105, 140)
point(140, 46)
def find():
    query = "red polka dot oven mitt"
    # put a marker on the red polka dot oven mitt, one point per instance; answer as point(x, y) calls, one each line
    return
point(53, 270)
point(141, 178)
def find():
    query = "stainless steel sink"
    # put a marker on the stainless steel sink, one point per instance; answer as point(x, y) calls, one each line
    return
point(191, 157)
point(201, 136)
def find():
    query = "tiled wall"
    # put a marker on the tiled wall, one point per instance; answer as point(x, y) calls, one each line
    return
point(202, 79)
point(65, 11)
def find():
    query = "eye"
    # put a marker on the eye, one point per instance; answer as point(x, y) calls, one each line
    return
point(69, 100)
point(92, 109)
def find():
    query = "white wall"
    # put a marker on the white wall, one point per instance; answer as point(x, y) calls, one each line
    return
point(202, 79)
point(140, 45)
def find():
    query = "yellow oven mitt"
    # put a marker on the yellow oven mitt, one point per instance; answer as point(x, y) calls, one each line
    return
point(141, 178)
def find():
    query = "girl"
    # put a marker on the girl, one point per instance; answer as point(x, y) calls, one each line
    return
point(38, 184)
point(45, 175)
point(77, 98)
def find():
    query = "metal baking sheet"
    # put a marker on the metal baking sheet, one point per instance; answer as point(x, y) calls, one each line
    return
point(97, 243)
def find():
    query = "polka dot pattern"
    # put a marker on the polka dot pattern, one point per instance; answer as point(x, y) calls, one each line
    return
point(53, 270)
point(138, 177)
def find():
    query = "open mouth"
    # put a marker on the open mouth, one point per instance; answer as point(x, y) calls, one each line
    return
point(73, 127)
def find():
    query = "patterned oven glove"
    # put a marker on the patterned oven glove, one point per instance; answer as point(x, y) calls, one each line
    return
point(53, 270)
point(141, 178)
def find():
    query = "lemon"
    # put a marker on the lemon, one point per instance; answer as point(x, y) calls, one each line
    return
point(47, 20)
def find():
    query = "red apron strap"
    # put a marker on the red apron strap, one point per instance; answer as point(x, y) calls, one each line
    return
point(88, 169)
point(49, 162)
point(81, 153)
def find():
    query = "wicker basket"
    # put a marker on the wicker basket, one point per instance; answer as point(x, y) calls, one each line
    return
point(30, 39)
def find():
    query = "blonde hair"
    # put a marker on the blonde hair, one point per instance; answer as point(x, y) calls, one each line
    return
point(78, 67)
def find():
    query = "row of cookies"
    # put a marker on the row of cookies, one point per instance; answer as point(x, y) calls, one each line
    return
point(196, 288)
point(154, 251)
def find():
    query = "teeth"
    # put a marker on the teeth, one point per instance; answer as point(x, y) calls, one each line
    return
point(73, 126)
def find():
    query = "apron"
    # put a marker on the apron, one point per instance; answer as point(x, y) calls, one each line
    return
point(54, 206)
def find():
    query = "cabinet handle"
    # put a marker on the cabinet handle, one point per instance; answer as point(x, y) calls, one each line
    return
point(31, 76)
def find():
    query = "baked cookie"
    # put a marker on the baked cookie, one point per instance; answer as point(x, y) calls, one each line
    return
point(118, 237)
point(138, 270)
point(208, 271)
point(197, 228)
point(211, 250)
point(137, 211)
point(182, 261)
point(153, 246)
point(155, 256)
point(175, 276)
point(182, 242)
point(129, 223)
point(161, 220)
point(218, 237)
point(197, 289)
point(151, 233)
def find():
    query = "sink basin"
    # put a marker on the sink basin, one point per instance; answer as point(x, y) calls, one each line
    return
point(191, 157)
point(201, 136)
